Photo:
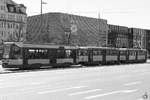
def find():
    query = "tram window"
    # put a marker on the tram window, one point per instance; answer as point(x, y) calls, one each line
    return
point(83, 53)
point(16, 52)
point(52, 53)
point(6, 51)
point(68, 53)
point(31, 50)
point(97, 52)
point(31, 53)
point(38, 54)
point(122, 52)
point(141, 52)
point(60, 53)
point(111, 52)
point(132, 53)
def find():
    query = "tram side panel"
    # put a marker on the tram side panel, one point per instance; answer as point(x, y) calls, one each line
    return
point(141, 56)
point(82, 56)
point(35, 57)
point(123, 56)
point(90, 56)
point(12, 57)
point(132, 56)
point(97, 56)
point(66, 58)
point(112, 56)
point(49, 57)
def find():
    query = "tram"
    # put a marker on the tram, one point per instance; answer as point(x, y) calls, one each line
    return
point(105, 55)
point(19, 55)
point(22, 55)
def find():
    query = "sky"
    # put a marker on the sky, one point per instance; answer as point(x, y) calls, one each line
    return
point(130, 13)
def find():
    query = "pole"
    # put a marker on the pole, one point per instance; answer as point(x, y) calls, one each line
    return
point(41, 7)
point(99, 18)
point(98, 26)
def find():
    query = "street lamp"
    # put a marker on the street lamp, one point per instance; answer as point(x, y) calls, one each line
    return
point(99, 30)
point(42, 6)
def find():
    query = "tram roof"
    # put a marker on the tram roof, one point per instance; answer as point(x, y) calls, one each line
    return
point(95, 47)
point(27, 45)
point(131, 49)
point(136, 49)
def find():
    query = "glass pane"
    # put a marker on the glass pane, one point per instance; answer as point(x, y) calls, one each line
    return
point(16, 53)
point(6, 51)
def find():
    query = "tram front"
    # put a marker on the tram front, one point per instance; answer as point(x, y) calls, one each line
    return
point(12, 57)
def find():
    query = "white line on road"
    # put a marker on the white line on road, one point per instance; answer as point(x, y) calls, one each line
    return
point(84, 92)
point(132, 83)
point(91, 80)
point(18, 85)
point(110, 93)
point(62, 89)
point(3, 80)
point(37, 83)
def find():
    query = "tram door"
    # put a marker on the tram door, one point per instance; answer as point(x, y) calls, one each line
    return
point(52, 56)
point(74, 56)
point(90, 56)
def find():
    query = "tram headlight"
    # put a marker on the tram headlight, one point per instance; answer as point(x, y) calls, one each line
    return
point(6, 56)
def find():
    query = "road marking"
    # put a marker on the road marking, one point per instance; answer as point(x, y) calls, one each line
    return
point(59, 90)
point(84, 92)
point(37, 83)
point(11, 86)
point(145, 72)
point(91, 80)
point(110, 93)
point(132, 83)
point(3, 80)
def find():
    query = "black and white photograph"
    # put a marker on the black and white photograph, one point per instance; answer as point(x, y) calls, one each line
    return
point(74, 50)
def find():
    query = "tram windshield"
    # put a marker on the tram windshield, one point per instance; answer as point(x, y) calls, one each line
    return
point(6, 51)
point(12, 52)
point(16, 52)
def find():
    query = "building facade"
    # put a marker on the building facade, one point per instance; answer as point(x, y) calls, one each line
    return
point(139, 37)
point(67, 29)
point(124, 37)
point(148, 41)
point(118, 36)
point(13, 21)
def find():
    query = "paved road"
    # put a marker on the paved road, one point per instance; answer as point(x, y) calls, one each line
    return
point(126, 82)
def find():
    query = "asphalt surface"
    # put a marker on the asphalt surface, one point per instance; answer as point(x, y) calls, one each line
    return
point(119, 82)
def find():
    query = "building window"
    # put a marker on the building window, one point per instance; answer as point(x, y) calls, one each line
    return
point(8, 25)
point(11, 25)
point(2, 33)
point(3, 16)
point(2, 7)
point(2, 24)
point(11, 17)
point(17, 26)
